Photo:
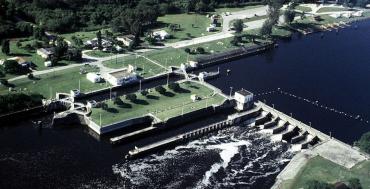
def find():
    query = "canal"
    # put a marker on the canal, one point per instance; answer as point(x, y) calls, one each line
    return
point(332, 69)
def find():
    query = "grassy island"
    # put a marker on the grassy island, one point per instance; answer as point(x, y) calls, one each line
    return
point(164, 106)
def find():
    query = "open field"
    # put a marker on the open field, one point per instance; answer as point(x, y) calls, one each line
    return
point(234, 9)
point(60, 81)
point(324, 170)
point(331, 9)
point(144, 67)
point(193, 24)
point(84, 36)
point(163, 106)
point(99, 54)
point(303, 8)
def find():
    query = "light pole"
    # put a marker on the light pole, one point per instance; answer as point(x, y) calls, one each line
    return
point(231, 91)
point(168, 78)
point(140, 85)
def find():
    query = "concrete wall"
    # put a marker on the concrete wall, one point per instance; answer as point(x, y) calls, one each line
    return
point(119, 125)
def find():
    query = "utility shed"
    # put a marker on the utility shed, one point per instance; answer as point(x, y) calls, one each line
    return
point(244, 99)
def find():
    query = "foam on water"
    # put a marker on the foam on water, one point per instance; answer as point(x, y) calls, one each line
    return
point(238, 157)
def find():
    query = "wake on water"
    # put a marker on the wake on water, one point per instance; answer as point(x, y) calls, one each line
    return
point(238, 157)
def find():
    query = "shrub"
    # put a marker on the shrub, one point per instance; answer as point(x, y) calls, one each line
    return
point(201, 50)
point(118, 101)
point(144, 92)
point(364, 142)
point(354, 183)
point(160, 89)
point(131, 97)
point(174, 86)
point(187, 50)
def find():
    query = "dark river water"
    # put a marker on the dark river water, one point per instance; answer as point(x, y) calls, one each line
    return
point(331, 70)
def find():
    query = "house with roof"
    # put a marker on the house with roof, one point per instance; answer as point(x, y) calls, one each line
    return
point(161, 35)
point(21, 61)
point(45, 52)
point(244, 99)
point(127, 40)
point(122, 77)
point(94, 43)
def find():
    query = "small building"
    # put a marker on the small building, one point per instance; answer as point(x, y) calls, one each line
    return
point(91, 104)
point(48, 63)
point(94, 43)
point(94, 77)
point(45, 52)
point(358, 14)
point(193, 64)
point(121, 77)
point(127, 40)
point(211, 28)
point(194, 97)
point(244, 99)
point(161, 35)
point(75, 93)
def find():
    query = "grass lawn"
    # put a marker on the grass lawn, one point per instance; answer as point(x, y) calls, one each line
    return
point(162, 106)
point(145, 68)
point(234, 9)
point(331, 9)
point(321, 169)
point(100, 54)
point(84, 36)
point(60, 81)
point(303, 8)
point(28, 55)
point(199, 22)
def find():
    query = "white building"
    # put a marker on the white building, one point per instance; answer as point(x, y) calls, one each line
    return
point(45, 52)
point(211, 28)
point(48, 64)
point(93, 77)
point(161, 35)
point(121, 77)
point(244, 99)
point(127, 40)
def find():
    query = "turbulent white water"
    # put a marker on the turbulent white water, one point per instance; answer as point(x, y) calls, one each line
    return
point(239, 157)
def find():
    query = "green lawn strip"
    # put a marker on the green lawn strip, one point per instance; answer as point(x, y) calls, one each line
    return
point(235, 9)
point(100, 54)
point(83, 35)
point(331, 9)
point(324, 170)
point(53, 82)
point(303, 8)
point(145, 68)
point(160, 105)
point(194, 24)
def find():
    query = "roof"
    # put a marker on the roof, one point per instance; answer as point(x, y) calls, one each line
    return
point(20, 60)
point(47, 51)
point(244, 92)
point(122, 73)
point(161, 33)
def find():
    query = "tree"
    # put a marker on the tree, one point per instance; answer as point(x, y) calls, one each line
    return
point(99, 37)
point(238, 26)
point(174, 86)
point(354, 183)
point(144, 92)
point(289, 15)
point(160, 89)
point(5, 47)
point(187, 50)
point(104, 106)
point(118, 101)
point(200, 50)
point(131, 97)
point(364, 142)
point(151, 40)
point(266, 29)
point(61, 48)
point(12, 67)
point(4, 82)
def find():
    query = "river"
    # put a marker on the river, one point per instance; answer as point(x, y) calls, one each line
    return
point(330, 69)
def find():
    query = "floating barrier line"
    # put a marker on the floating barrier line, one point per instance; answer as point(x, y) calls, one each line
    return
point(315, 103)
